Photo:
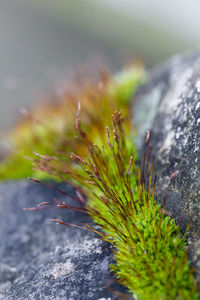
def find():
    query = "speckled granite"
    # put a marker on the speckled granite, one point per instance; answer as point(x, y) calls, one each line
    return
point(40, 260)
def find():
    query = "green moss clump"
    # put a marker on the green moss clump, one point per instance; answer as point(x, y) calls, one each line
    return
point(150, 251)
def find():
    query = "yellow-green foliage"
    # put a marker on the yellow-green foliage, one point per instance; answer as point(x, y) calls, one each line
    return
point(50, 128)
point(150, 251)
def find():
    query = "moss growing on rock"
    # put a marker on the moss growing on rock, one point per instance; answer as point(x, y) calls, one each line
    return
point(150, 251)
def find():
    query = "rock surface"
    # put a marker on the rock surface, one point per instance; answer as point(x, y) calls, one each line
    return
point(41, 260)
point(169, 105)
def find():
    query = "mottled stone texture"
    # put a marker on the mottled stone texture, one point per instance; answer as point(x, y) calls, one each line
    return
point(169, 105)
point(40, 260)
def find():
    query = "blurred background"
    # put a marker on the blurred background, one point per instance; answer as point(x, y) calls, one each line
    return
point(43, 40)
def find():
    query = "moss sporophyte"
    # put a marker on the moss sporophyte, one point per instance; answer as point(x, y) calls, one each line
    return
point(99, 158)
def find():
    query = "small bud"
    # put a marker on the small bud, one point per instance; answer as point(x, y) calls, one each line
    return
point(147, 137)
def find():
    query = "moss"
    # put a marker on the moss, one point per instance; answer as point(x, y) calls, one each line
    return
point(150, 252)
point(49, 129)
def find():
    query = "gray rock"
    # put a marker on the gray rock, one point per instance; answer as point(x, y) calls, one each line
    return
point(169, 105)
point(41, 260)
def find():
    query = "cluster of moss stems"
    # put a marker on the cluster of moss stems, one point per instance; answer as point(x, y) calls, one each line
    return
point(150, 251)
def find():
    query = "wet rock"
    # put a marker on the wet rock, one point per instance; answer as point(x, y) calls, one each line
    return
point(169, 105)
point(41, 260)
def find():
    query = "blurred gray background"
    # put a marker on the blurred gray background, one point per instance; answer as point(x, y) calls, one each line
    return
point(42, 40)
